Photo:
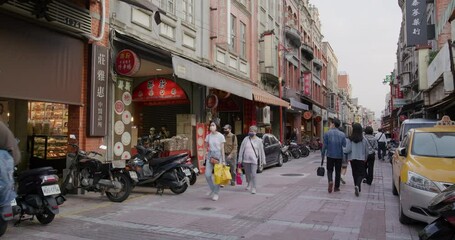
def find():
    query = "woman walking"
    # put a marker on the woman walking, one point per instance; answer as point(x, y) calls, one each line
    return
point(215, 154)
point(250, 155)
point(345, 163)
point(357, 150)
point(372, 146)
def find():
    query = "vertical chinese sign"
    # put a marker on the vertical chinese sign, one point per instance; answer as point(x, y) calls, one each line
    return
point(127, 63)
point(123, 120)
point(98, 91)
point(200, 145)
point(307, 83)
point(416, 23)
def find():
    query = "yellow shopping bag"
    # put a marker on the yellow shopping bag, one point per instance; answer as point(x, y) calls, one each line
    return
point(222, 174)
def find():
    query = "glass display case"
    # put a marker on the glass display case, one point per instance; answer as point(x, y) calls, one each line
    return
point(48, 151)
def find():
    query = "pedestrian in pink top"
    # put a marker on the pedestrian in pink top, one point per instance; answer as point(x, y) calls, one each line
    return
point(250, 155)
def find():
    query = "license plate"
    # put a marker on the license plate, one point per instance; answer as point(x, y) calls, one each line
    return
point(196, 170)
point(13, 203)
point(187, 171)
point(50, 189)
point(133, 175)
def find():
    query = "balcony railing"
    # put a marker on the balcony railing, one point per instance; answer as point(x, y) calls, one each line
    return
point(317, 63)
point(293, 35)
point(307, 51)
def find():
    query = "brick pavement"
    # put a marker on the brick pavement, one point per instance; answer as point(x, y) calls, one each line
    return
point(285, 207)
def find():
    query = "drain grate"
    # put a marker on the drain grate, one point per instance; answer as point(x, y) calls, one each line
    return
point(292, 174)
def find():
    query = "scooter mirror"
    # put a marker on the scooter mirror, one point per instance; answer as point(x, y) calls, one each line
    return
point(72, 136)
point(104, 147)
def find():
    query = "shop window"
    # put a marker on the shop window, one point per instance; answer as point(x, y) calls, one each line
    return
point(47, 119)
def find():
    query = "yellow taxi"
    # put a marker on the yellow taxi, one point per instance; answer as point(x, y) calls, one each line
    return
point(423, 166)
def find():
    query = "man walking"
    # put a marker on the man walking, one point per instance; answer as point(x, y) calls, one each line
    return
point(382, 143)
point(334, 141)
point(230, 151)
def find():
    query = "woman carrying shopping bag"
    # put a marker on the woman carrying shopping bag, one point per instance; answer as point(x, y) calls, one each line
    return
point(250, 155)
point(215, 155)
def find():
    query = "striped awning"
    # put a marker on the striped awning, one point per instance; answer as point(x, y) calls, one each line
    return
point(260, 95)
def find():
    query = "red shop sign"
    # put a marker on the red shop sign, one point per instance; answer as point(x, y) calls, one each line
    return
point(127, 63)
point(211, 101)
point(158, 91)
point(307, 115)
point(307, 83)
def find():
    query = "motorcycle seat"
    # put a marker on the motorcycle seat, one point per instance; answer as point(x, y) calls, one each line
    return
point(158, 161)
point(36, 171)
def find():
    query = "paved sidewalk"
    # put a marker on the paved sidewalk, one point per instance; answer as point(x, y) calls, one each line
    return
point(291, 203)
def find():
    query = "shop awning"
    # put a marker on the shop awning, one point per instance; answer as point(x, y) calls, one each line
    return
point(196, 73)
point(298, 105)
point(260, 95)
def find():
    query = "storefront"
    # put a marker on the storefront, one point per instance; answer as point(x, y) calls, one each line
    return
point(294, 119)
point(42, 76)
point(153, 87)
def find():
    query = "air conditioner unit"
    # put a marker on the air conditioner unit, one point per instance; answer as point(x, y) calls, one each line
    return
point(264, 115)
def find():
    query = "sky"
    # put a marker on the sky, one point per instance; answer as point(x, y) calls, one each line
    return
point(364, 36)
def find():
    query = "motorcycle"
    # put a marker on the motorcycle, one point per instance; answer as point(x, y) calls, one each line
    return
point(293, 149)
point(90, 174)
point(443, 228)
point(285, 153)
point(171, 172)
point(154, 153)
point(38, 195)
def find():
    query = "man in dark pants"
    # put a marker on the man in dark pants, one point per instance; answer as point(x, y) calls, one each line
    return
point(382, 143)
point(334, 141)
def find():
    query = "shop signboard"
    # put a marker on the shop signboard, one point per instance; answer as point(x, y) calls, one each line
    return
point(127, 63)
point(307, 115)
point(159, 91)
point(98, 91)
point(397, 102)
point(416, 23)
point(307, 83)
point(123, 119)
point(200, 146)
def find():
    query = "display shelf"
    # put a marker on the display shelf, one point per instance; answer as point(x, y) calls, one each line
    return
point(49, 147)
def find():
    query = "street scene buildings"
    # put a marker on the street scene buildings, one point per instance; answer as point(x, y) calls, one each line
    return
point(145, 65)
point(124, 77)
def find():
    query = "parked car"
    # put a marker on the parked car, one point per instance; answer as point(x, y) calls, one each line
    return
point(408, 124)
point(272, 149)
point(423, 166)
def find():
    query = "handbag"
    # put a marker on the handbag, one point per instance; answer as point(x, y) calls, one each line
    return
point(238, 177)
point(321, 170)
point(214, 160)
point(222, 174)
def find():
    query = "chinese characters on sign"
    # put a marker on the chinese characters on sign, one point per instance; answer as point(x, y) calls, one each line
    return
point(416, 22)
point(307, 83)
point(98, 91)
point(127, 63)
point(159, 91)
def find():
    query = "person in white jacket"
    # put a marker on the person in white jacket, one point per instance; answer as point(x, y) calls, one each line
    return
point(250, 155)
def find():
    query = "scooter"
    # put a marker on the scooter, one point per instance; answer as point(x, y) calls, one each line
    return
point(285, 153)
point(90, 174)
point(38, 195)
point(169, 172)
point(443, 228)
